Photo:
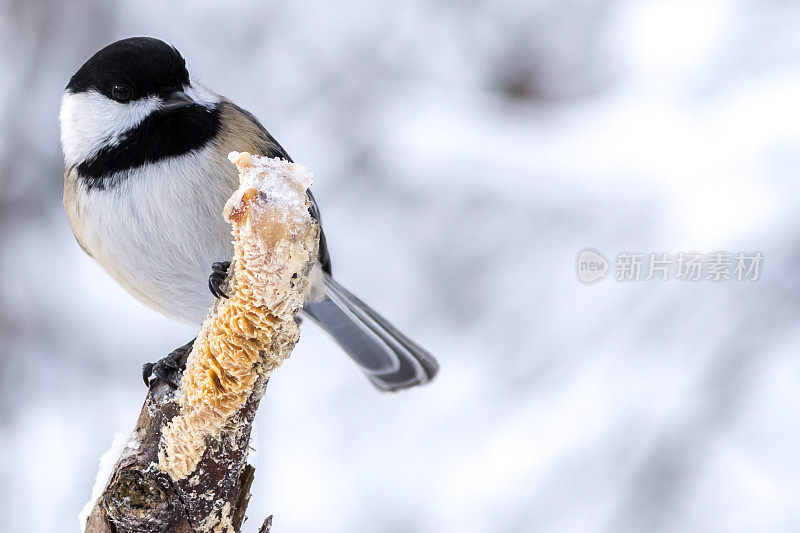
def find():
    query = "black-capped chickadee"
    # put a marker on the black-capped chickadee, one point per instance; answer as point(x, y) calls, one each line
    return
point(146, 179)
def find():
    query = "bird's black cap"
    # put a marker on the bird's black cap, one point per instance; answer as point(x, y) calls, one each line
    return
point(148, 66)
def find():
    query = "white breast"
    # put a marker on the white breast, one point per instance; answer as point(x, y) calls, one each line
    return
point(157, 230)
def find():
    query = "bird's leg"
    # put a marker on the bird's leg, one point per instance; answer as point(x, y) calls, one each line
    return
point(168, 369)
point(219, 272)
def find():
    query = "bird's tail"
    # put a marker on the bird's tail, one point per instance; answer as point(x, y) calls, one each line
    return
point(390, 360)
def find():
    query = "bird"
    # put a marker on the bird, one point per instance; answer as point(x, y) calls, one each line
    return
point(146, 178)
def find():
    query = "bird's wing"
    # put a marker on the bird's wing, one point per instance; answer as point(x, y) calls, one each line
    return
point(249, 135)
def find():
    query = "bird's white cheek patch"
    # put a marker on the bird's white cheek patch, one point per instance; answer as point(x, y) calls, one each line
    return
point(90, 121)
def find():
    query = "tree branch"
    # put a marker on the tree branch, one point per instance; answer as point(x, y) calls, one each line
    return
point(185, 469)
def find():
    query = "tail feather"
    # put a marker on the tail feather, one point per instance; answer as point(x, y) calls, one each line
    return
point(390, 360)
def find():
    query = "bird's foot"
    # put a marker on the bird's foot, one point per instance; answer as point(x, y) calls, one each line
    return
point(168, 369)
point(219, 272)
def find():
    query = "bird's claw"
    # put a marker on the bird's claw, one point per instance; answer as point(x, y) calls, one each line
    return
point(168, 369)
point(219, 272)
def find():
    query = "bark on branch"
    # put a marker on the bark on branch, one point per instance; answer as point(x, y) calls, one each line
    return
point(185, 469)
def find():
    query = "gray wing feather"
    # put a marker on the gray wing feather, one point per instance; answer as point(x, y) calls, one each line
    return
point(390, 360)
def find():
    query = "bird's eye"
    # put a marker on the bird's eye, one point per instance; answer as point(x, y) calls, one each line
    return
point(121, 93)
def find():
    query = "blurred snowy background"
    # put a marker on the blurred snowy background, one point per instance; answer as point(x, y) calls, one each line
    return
point(464, 153)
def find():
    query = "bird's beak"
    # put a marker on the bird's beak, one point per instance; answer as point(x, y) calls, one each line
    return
point(176, 100)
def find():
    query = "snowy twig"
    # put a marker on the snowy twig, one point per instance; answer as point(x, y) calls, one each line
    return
point(185, 468)
point(266, 526)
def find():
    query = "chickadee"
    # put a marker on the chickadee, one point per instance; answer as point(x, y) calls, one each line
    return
point(146, 180)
